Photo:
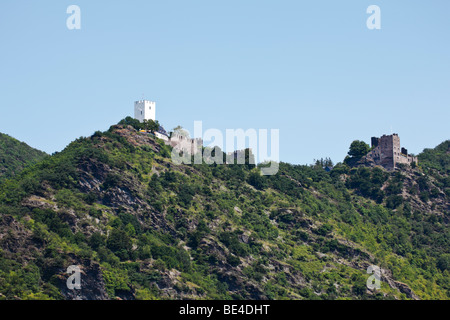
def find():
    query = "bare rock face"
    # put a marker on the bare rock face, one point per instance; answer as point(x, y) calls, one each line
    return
point(91, 282)
point(39, 202)
point(400, 286)
point(135, 139)
point(92, 175)
point(115, 191)
point(367, 162)
point(15, 239)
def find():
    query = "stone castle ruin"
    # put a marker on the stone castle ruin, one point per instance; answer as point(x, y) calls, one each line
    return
point(239, 157)
point(387, 152)
point(184, 144)
point(146, 110)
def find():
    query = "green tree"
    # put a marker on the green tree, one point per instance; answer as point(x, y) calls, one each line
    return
point(178, 130)
point(358, 149)
point(256, 180)
point(443, 262)
point(129, 121)
point(151, 125)
point(119, 242)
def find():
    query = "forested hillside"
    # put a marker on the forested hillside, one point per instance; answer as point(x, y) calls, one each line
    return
point(141, 227)
point(15, 156)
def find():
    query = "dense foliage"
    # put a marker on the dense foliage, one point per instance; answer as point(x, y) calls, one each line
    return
point(15, 156)
point(437, 158)
point(160, 231)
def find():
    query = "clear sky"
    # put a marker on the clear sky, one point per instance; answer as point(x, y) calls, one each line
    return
point(311, 69)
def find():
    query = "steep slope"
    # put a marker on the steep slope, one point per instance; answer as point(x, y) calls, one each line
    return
point(15, 156)
point(141, 227)
point(438, 158)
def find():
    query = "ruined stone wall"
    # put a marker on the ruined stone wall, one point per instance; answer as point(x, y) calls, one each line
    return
point(387, 146)
point(387, 152)
point(187, 145)
point(239, 156)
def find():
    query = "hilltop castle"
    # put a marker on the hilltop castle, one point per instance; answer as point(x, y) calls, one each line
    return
point(146, 110)
point(387, 152)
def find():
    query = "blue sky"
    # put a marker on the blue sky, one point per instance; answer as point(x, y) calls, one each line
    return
point(311, 69)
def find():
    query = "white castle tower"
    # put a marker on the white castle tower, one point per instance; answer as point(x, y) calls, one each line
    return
point(144, 110)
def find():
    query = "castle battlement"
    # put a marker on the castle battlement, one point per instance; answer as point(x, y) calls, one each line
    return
point(387, 152)
point(145, 110)
point(238, 156)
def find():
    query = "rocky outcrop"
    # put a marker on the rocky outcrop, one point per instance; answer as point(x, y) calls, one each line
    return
point(92, 286)
point(397, 285)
